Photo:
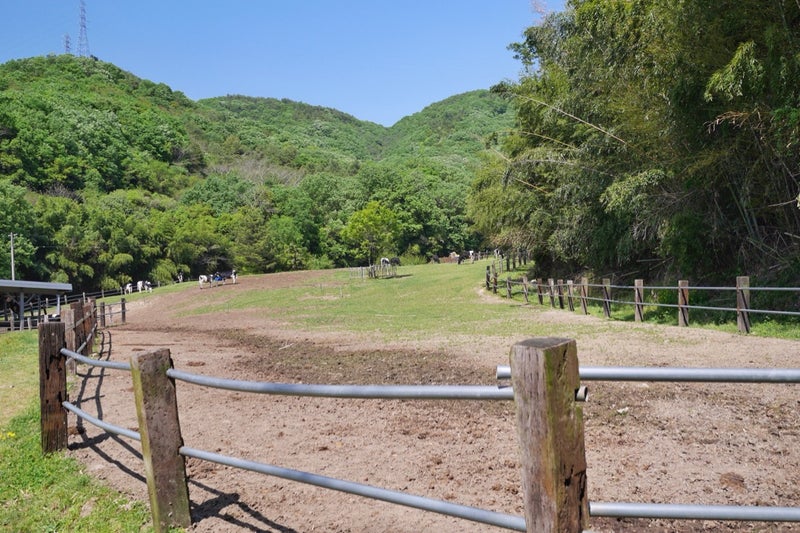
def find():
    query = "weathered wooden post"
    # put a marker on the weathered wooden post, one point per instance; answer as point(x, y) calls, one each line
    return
point(638, 299)
point(525, 287)
point(122, 308)
point(683, 303)
point(551, 291)
point(508, 287)
point(494, 281)
point(159, 427)
point(539, 291)
point(607, 297)
point(102, 314)
point(88, 325)
point(545, 379)
point(743, 303)
point(68, 320)
point(570, 295)
point(52, 387)
point(560, 289)
point(488, 277)
point(584, 295)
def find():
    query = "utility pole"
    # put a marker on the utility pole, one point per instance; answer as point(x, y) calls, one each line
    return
point(12, 257)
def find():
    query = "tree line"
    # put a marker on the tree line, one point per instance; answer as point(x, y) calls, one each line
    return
point(653, 139)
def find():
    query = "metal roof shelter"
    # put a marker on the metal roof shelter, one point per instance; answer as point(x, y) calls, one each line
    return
point(18, 293)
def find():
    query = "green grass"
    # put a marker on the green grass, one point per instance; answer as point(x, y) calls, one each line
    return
point(47, 493)
point(19, 373)
point(423, 300)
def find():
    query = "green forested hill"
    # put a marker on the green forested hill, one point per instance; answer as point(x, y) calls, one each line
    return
point(107, 178)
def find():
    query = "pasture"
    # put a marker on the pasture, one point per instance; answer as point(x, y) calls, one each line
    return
point(670, 443)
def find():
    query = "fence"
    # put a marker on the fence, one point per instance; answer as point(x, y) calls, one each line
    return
point(561, 294)
point(107, 313)
point(545, 386)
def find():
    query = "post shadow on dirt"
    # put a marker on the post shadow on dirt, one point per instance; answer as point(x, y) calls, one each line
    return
point(96, 375)
point(215, 508)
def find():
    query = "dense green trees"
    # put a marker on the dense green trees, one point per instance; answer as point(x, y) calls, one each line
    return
point(653, 135)
point(106, 178)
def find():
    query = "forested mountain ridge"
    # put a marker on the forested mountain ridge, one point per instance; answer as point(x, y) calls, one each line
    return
point(108, 178)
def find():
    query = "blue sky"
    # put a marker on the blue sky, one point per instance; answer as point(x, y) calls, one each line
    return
point(376, 60)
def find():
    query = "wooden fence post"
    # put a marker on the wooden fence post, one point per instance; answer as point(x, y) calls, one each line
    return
point(102, 314)
point(122, 308)
point(584, 295)
point(159, 427)
point(539, 291)
point(488, 277)
point(570, 295)
point(560, 289)
point(551, 291)
point(494, 281)
point(525, 287)
point(544, 376)
point(683, 303)
point(743, 303)
point(508, 287)
point(52, 387)
point(68, 320)
point(638, 299)
point(89, 319)
point(607, 297)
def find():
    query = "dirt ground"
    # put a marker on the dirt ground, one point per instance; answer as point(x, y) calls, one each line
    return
point(645, 442)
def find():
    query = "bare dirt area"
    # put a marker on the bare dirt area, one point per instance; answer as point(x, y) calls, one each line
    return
point(646, 442)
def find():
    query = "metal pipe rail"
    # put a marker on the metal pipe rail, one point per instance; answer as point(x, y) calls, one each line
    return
point(703, 307)
point(690, 375)
point(393, 392)
point(695, 511)
point(516, 523)
point(99, 423)
point(95, 362)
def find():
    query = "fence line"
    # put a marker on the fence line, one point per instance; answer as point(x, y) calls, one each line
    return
point(546, 447)
point(558, 292)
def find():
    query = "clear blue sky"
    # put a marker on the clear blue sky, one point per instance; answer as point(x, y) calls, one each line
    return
point(377, 60)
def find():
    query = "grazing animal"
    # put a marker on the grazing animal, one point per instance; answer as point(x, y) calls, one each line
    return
point(144, 286)
point(384, 261)
point(394, 261)
point(202, 279)
point(129, 288)
point(434, 258)
point(223, 276)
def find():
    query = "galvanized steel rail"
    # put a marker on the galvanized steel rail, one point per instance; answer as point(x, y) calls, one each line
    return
point(696, 375)
point(473, 392)
point(516, 523)
point(395, 392)
point(100, 423)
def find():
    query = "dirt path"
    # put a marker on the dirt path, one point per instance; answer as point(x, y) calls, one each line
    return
point(663, 443)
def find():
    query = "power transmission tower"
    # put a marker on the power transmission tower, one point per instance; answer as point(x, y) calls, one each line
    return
point(67, 44)
point(83, 37)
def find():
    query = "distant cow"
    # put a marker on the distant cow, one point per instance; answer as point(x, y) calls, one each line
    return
point(202, 279)
point(144, 286)
point(128, 288)
point(394, 261)
point(226, 275)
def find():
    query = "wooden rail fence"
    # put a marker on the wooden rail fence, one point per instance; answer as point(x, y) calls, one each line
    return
point(566, 294)
point(545, 386)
